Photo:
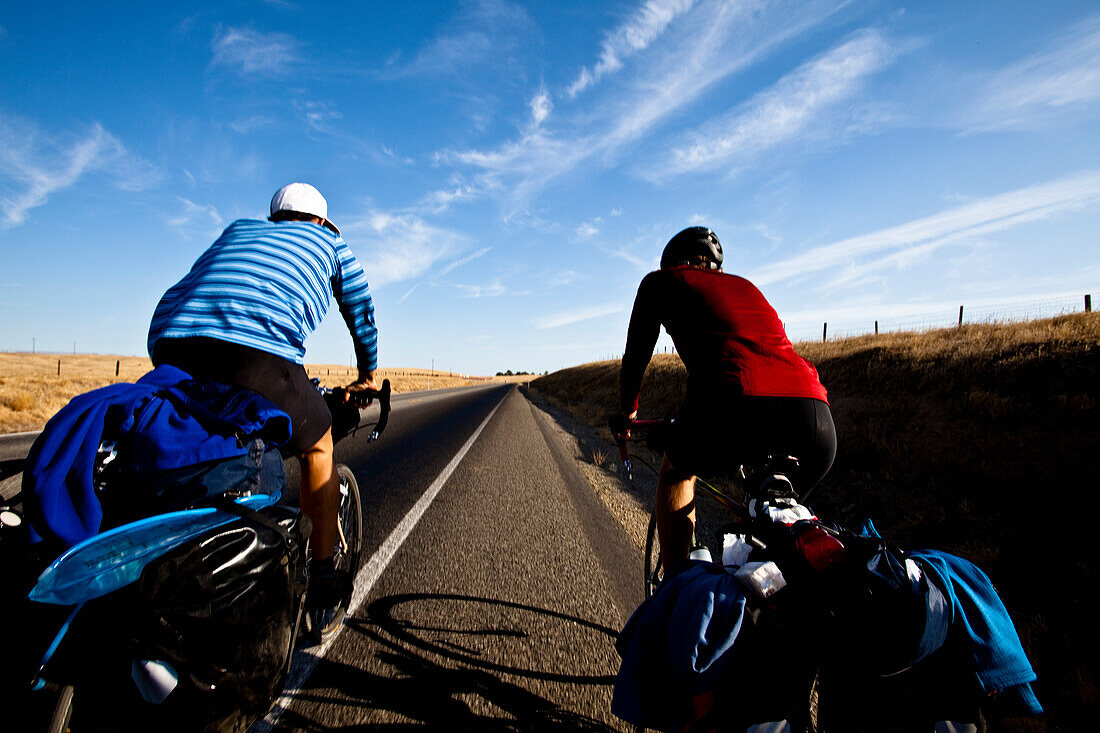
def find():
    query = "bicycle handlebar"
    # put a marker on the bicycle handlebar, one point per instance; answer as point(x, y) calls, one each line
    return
point(620, 426)
point(344, 422)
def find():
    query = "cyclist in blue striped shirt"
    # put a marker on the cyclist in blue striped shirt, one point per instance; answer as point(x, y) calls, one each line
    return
point(242, 314)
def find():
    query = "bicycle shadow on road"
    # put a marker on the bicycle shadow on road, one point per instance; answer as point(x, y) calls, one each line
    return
point(434, 674)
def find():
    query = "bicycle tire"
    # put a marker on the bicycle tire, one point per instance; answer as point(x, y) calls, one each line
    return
point(813, 704)
point(350, 521)
point(653, 572)
point(62, 711)
point(347, 555)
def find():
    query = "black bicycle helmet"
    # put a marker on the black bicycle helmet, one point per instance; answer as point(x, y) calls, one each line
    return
point(693, 242)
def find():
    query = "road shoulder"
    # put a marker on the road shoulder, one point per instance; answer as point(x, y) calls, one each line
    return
point(598, 462)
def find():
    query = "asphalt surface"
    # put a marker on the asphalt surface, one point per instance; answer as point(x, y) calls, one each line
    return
point(499, 610)
point(13, 449)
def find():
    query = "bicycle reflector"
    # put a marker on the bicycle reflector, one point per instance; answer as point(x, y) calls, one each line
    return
point(819, 547)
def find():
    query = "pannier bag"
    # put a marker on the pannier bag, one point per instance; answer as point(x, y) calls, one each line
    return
point(210, 625)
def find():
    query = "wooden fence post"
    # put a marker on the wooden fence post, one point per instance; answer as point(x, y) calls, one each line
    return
point(876, 328)
point(1088, 303)
point(824, 331)
point(59, 367)
point(118, 363)
point(960, 315)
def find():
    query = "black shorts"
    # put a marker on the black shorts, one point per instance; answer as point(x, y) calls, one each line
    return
point(283, 382)
point(713, 435)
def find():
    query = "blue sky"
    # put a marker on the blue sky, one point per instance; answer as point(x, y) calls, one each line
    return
point(507, 172)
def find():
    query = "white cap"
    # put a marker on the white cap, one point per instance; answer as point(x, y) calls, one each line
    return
point(304, 199)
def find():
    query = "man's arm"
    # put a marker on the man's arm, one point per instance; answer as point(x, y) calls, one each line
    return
point(352, 293)
point(641, 337)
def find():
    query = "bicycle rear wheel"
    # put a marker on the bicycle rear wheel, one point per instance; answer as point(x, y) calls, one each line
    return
point(653, 573)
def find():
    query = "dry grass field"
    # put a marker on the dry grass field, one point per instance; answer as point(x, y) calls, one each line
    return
point(33, 386)
point(982, 440)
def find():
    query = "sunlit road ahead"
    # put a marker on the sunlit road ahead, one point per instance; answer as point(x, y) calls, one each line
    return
point(498, 610)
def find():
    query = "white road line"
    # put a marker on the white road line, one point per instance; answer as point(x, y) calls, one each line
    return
point(306, 660)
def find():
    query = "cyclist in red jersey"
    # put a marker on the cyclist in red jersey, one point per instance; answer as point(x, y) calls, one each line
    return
point(749, 394)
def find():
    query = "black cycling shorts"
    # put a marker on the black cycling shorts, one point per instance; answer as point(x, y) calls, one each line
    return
point(714, 435)
point(283, 382)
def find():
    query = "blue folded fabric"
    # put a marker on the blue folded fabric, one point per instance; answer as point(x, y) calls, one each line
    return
point(675, 645)
point(996, 654)
point(170, 421)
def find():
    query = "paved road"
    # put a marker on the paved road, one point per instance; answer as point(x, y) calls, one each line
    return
point(13, 448)
point(499, 609)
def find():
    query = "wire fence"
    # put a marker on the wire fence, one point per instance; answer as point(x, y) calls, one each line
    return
point(927, 321)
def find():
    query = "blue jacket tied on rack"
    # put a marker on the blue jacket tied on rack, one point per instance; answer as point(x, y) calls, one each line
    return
point(167, 420)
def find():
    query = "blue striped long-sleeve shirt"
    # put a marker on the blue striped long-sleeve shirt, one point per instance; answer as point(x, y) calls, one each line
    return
point(267, 285)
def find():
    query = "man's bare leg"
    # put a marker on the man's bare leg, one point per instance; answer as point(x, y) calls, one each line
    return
point(675, 513)
point(320, 495)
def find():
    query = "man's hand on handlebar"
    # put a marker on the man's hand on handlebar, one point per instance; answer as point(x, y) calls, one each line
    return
point(364, 382)
point(620, 423)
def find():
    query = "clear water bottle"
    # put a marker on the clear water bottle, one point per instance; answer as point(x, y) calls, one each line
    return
point(700, 552)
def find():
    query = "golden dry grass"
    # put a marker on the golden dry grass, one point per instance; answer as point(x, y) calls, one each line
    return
point(32, 390)
point(980, 440)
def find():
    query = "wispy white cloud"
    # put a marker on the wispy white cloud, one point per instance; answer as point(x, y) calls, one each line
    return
point(317, 113)
point(636, 34)
point(446, 269)
point(1046, 85)
point(442, 199)
point(195, 219)
point(391, 153)
point(802, 104)
point(246, 125)
point(713, 40)
point(764, 231)
point(491, 289)
point(192, 212)
point(575, 315)
point(396, 247)
point(34, 165)
point(917, 238)
point(563, 278)
point(587, 229)
point(540, 107)
point(250, 51)
point(478, 34)
point(450, 266)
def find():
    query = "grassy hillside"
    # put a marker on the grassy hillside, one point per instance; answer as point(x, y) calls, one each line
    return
point(982, 440)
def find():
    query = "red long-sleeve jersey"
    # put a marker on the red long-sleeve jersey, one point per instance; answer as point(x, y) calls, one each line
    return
point(728, 335)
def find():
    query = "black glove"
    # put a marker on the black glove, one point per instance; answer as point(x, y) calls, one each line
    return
point(328, 586)
point(619, 424)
